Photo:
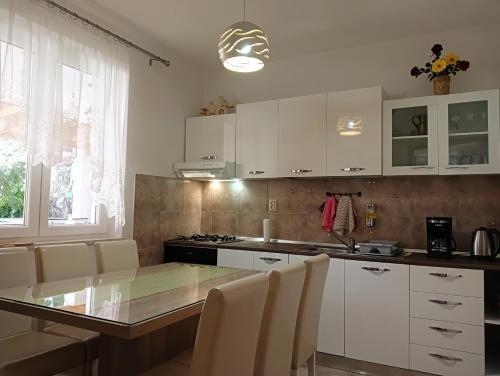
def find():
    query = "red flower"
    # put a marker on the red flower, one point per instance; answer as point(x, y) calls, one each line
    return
point(463, 65)
point(436, 49)
point(415, 72)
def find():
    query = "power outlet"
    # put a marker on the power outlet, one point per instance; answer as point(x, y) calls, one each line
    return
point(273, 205)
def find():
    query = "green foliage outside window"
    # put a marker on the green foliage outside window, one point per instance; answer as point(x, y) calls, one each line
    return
point(12, 190)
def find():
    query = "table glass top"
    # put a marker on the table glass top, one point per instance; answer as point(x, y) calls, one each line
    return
point(129, 296)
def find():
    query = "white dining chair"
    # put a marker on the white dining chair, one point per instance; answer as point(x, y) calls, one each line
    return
point(66, 261)
point(306, 332)
point(23, 351)
point(274, 352)
point(116, 255)
point(228, 332)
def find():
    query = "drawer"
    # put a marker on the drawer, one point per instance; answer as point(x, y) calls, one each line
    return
point(267, 260)
point(446, 362)
point(447, 335)
point(465, 282)
point(462, 309)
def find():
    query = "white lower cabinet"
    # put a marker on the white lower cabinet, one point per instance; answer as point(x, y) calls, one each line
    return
point(265, 261)
point(234, 258)
point(331, 324)
point(445, 362)
point(377, 308)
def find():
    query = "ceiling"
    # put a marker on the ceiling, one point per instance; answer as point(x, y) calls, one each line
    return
point(296, 27)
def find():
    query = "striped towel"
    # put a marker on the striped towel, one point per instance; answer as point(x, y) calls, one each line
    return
point(345, 216)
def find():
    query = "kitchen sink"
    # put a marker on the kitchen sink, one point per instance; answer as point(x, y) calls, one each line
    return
point(335, 250)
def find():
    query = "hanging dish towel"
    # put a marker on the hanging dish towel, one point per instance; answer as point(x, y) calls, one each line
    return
point(345, 217)
point(329, 214)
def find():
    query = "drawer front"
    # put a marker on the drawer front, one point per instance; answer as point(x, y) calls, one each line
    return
point(450, 281)
point(445, 362)
point(447, 335)
point(234, 258)
point(268, 261)
point(462, 309)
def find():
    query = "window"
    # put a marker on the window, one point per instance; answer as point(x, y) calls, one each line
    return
point(63, 121)
point(63, 189)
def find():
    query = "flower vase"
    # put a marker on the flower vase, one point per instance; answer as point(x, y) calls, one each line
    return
point(441, 85)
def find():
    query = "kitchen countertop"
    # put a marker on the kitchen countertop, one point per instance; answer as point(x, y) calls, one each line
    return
point(415, 258)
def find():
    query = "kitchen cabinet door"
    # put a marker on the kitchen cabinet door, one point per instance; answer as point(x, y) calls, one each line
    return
point(469, 133)
point(410, 145)
point(377, 312)
point(302, 136)
point(354, 132)
point(235, 258)
point(257, 139)
point(331, 324)
point(211, 138)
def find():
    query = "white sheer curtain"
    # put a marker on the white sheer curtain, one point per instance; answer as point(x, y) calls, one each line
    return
point(92, 121)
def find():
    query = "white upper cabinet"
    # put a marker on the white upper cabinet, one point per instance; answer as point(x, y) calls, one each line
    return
point(302, 136)
point(257, 139)
point(411, 136)
point(455, 134)
point(211, 138)
point(354, 132)
point(469, 133)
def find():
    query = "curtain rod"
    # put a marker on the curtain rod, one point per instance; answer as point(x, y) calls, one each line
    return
point(76, 16)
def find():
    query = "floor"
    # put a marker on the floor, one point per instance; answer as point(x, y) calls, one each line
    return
point(329, 365)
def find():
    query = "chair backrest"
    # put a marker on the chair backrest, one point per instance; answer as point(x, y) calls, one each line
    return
point(16, 269)
point(64, 261)
point(229, 328)
point(306, 332)
point(274, 351)
point(116, 255)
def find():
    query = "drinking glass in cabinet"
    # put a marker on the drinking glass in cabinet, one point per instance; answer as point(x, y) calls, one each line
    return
point(468, 117)
point(468, 149)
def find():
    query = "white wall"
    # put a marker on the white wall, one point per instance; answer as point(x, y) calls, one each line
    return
point(385, 64)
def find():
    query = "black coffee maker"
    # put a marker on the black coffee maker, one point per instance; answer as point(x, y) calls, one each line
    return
point(440, 242)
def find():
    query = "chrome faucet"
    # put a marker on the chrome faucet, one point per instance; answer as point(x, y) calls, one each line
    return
point(351, 244)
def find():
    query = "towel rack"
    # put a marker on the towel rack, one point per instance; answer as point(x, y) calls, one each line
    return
point(350, 194)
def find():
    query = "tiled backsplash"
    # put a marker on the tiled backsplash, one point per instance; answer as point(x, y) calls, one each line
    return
point(166, 208)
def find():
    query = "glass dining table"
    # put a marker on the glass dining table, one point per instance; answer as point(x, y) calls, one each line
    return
point(144, 316)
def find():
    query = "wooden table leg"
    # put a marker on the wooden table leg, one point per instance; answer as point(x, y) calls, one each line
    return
point(124, 357)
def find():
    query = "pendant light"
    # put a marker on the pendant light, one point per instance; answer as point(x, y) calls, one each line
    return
point(244, 46)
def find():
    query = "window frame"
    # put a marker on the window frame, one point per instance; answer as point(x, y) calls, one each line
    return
point(31, 206)
point(45, 229)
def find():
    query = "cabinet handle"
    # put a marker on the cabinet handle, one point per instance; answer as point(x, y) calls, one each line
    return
point(423, 167)
point(445, 275)
point(445, 302)
point(256, 172)
point(445, 330)
point(300, 171)
point(352, 169)
point(444, 357)
point(270, 260)
point(371, 269)
point(456, 167)
point(209, 157)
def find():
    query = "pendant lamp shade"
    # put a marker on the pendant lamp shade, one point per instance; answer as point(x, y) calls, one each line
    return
point(243, 47)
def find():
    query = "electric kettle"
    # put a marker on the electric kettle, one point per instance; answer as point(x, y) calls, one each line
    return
point(485, 243)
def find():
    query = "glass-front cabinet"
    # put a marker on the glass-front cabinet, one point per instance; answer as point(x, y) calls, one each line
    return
point(411, 136)
point(469, 133)
point(446, 135)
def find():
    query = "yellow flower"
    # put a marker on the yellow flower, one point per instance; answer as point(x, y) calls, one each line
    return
point(439, 65)
point(451, 58)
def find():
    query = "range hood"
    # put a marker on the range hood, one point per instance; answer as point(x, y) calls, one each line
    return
point(205, 170)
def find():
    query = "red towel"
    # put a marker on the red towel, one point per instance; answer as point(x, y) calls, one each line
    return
point(329, 214)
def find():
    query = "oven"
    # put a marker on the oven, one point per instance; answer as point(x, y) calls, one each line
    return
point(190, 255)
